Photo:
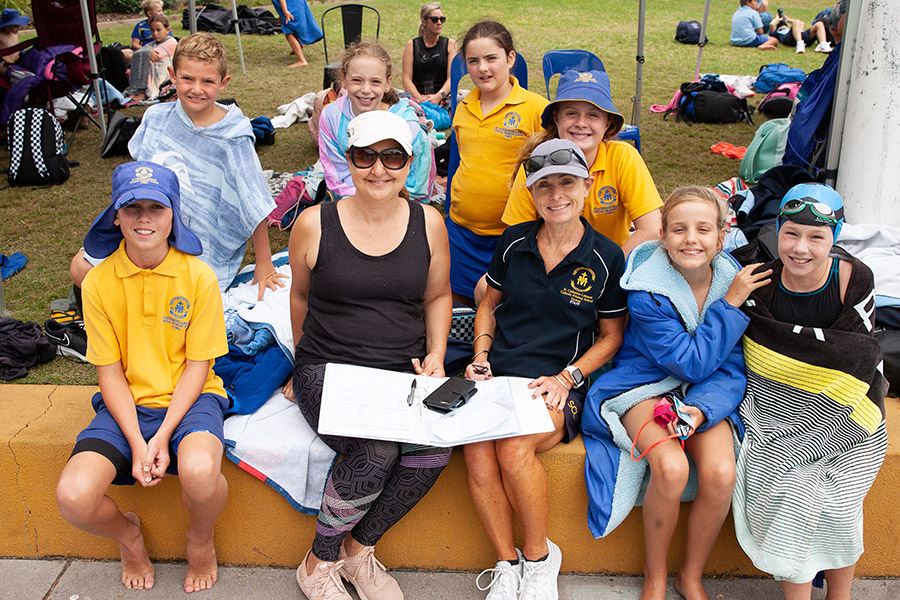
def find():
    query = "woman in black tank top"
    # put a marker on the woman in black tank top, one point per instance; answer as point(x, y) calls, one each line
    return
point(427, 58)
point(371, 287)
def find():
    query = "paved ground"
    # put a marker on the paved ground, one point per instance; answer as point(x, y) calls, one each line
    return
point(87, 580)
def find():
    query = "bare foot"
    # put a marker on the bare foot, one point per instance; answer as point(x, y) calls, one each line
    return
point(202, 571)
point(654, 589)
point(690, 589)
point(137, 571)
point(299, 63)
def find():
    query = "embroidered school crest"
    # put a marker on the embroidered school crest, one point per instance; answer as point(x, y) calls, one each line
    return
point(585, 78)
point(143, 174)
point(512, 120)
point(608, 200)
point(179, 309)
point(580, 284)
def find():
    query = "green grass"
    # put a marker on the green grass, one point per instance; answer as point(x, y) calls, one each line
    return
point(47, 224)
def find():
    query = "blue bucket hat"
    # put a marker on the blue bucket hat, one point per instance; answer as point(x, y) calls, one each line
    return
point(140, 180)
point(12, 17)
point(586, 86)
point(799, 206)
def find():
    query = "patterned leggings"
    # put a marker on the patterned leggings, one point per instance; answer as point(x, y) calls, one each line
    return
point(373, 485)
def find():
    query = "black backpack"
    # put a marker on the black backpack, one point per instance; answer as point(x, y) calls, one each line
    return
point(688, 32)
point(708, 101)
point(37, 149)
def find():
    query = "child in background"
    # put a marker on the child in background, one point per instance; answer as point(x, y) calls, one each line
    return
point(160, 405)
point(747, 28)
point(490, 124)
point(148, 75)
point(299, 27)
point(682, 338)
point(11, 21)
point(140, 35)
point(366, 72)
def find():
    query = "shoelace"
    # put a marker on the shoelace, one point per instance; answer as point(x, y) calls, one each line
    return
point(534, 573)
point(372, 566)
point(332, 588)
point(501, 577)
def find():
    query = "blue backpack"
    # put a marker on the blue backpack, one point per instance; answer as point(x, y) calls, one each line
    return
point(688, 32)
point(772, 75)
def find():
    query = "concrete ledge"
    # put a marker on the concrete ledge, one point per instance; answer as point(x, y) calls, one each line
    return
point(259, 528)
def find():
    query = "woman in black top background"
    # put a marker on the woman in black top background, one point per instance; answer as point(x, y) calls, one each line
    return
point(427, 58)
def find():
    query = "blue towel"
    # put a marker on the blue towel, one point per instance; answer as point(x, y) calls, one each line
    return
point(10, 265)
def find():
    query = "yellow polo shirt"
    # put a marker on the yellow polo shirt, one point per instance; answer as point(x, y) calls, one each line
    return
point(488, 148)
point(623, 190)
point(154, 320)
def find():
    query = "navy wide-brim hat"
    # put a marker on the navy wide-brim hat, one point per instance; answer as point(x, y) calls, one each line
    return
point(140, 180)
point(11, 17)
point(585, 86)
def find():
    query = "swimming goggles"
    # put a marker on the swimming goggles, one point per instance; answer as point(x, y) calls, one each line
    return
point(563, 156)
point(819, 209)
point(392, 158)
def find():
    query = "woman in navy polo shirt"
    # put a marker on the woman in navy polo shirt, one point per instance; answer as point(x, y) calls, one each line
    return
point(553, 310)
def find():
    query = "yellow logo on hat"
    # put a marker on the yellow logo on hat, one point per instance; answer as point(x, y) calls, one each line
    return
point(143, 175)
point(585, 78)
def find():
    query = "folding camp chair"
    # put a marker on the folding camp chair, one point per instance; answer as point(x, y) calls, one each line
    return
point(557, 62)
point(458, 70)
point(352, 25)
point(61, 59)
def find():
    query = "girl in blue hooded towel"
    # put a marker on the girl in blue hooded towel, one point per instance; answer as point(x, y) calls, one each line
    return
point(684, 298)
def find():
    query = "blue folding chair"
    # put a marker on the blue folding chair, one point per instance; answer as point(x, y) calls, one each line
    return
point(458, 70)
point(557, 62)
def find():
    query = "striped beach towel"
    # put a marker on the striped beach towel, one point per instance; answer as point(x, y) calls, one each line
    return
point(815, 435)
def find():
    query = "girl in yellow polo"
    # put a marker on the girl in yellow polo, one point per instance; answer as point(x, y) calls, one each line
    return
point(623, 193)
point(490, 124)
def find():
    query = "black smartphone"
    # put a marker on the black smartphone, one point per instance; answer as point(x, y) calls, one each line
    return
point(452, 394)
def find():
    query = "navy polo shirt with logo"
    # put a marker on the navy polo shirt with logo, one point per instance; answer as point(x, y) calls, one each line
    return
point(546, 321)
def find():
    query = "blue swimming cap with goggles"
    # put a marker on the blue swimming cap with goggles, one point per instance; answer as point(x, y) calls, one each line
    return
point(813, 204)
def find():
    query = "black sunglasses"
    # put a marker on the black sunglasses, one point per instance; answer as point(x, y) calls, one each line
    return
point(436, 20)
point(392, 158)
point(563, 156)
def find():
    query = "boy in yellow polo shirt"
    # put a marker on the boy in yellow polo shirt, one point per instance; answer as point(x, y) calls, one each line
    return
point(154, 317)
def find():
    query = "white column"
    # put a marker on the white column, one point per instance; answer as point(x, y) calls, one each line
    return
point(869, 166)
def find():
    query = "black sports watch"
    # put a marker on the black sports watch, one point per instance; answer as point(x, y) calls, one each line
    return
point(577, 377)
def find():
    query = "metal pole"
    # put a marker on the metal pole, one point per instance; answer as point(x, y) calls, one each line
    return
point(192, 15)
point(639, 78)
point(842, 90)
point(3, 311)
point(92, 60)
point(237, 30)
point(702, 40)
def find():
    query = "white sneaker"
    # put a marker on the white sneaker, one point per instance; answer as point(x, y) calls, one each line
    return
point(505, 580)
point(801, 47)
point(539, 578)
point(824, 47)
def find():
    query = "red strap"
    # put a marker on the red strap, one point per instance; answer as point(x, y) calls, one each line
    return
point(653, 445)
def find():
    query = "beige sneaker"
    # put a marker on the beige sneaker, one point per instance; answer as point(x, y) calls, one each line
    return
point(368, 576)
point(325, 582)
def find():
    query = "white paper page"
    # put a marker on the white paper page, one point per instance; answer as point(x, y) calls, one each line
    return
point(490, 414)
point(370, 403)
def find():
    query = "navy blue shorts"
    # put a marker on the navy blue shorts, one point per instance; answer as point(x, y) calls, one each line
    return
point(470, 256)
point(104, 436)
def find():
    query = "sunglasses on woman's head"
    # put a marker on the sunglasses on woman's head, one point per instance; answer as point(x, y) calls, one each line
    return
point(563, 156)
point(819, 209)
point(436, 20)
point(392, 158)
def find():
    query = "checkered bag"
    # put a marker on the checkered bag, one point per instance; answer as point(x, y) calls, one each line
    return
point(462, 325)
point(37, 151)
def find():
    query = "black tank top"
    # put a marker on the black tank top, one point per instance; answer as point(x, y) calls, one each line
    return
point(366, 310)
point(819, 308)
point(429, 65)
